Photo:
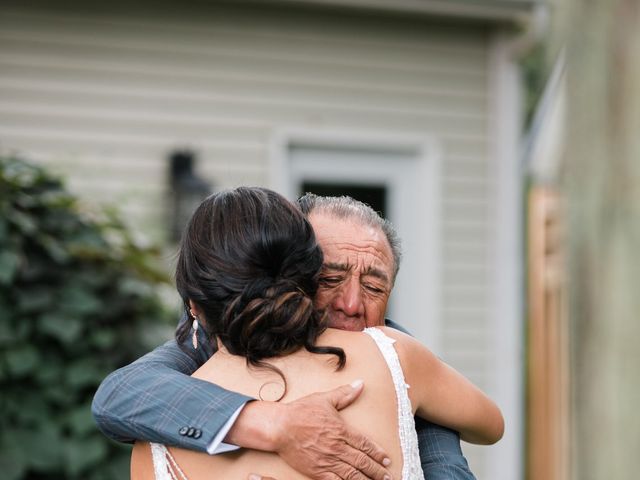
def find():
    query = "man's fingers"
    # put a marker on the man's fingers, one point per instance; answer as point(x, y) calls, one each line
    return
point(369, 454)
point(360, 466)
point(330, 476)
point(345, 395)
point(254, 476)
point(350, 473)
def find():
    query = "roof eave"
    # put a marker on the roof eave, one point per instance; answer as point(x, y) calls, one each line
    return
point(508, 11)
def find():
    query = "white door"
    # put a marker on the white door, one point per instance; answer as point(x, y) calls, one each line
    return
point(406, 173)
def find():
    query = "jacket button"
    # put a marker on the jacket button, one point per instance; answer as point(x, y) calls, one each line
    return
point(183, 431)
point(198, 433)
point(191, 431)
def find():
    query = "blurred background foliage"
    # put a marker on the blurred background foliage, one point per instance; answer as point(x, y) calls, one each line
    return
point(78, 299)
point(535, 66)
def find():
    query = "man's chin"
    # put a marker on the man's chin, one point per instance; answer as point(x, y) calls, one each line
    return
point(350, 324)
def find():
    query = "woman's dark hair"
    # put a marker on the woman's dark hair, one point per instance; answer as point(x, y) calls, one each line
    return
point(250, 261)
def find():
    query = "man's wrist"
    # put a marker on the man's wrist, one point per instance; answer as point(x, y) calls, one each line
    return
point(257, 427)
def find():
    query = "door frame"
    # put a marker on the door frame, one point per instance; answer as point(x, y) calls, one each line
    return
point(418, 284)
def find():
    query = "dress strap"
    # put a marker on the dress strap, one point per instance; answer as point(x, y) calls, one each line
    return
point(165, 466)
point(411, 466)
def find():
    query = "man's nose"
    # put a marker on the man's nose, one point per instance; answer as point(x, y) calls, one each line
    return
point(349, 299)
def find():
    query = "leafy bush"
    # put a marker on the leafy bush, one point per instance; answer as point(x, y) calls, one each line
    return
point(76, 298)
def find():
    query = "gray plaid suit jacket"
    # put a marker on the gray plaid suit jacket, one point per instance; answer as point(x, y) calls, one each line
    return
point(155, 399)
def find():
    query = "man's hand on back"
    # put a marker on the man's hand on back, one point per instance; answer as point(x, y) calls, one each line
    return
point(311, 437)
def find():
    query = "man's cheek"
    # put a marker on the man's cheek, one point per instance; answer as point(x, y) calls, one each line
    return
point(375, 314)
point(322, 299)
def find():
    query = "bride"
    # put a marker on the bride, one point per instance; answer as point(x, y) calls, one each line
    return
point(248, 271)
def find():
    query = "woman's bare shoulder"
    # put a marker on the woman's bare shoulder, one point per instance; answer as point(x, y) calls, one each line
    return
point(341, 338)
point(404, 342)
point(411, 352)
point(402, 339)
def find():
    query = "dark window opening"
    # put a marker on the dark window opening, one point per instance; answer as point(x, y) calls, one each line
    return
point(373, 195)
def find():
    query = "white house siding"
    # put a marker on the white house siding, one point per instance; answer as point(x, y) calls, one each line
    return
point(103, 96)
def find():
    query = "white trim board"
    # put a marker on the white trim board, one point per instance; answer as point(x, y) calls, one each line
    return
point(409, 168)
point(505, 459)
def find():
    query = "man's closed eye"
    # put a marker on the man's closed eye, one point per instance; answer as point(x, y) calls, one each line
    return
point(332, 281)
point(374, 289)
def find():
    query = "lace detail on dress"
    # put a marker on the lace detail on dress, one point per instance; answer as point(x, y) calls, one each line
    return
point(411, 466)
point(165, 466)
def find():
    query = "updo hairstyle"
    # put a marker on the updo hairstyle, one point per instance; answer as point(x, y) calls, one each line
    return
point(250, 261)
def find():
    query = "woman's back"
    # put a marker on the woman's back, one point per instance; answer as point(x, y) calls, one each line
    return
point(375, 413)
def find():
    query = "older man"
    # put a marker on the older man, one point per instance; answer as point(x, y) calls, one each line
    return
point(153, 399)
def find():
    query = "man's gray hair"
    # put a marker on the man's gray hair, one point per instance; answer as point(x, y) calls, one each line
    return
point(352, 209)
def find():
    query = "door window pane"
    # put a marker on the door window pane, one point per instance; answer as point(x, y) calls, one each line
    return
point(373, 195)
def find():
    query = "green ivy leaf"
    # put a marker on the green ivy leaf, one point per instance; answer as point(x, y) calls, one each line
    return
point(36, 299)
point(45, 446)
point(50, 372)
point(4, 230)
point(55, 250)
point(103, 339)
point(22, 360)
point(78, 300)
point(29, 410)
point(6, 335)
point(65, 328)
point(9, 262)
point(80, 420)
point(25, 200)
point(22, 330)
point(59, 395)
point(13, 459)
point(82, 454)
point(118, 465)
point(25, 223)
point(135, 287)
point(82, 374)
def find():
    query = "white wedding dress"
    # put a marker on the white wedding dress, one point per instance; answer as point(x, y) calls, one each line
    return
point(166, 468)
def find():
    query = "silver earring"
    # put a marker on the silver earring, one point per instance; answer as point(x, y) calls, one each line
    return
point(194, 327)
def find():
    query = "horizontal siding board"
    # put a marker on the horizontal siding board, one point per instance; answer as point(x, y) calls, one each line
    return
point(476, 230)
point(168, 100)
point(129, 124)
point(458, 321)
point(462, 144)
point(170, 81)
point(209, 49)
point(472, 187)
point(476, 167)
point(465, 278)
point(205, 58)
point(105, 141)
point(467, 340)
point(236, 109)
point(465, 209)
point(471, 252)
point(58, 149)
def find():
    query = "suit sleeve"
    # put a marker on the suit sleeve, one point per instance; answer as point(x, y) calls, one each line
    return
point(440, 452)
point(154, 399)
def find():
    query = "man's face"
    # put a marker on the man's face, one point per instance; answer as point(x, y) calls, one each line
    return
point(357, 274)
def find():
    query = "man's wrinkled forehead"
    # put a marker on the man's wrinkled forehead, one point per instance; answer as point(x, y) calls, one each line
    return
point(351, 244)
point(362, 270)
